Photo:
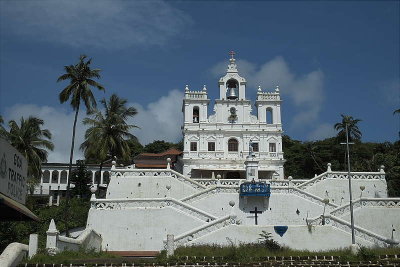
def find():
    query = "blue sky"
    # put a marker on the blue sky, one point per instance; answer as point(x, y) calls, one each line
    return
point(328, 57)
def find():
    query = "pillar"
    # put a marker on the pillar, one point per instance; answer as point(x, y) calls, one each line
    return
point(52, 236)
point(170, 245)
point(33, 245)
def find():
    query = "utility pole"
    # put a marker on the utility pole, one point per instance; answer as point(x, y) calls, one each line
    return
point(353, 239)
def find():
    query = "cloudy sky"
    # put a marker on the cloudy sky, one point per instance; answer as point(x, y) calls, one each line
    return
point(329, 58)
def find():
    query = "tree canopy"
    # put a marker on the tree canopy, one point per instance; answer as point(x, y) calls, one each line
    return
point(352, 128)
point(109, 131)
point(32, 142)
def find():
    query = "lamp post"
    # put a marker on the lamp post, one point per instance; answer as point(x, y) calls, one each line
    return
point(353, 240)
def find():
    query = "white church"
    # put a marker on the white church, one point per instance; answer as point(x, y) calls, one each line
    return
point(232, 187)
point(218, 144)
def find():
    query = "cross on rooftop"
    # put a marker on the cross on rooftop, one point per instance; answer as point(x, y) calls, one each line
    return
point(256, 212)
point(232, 53)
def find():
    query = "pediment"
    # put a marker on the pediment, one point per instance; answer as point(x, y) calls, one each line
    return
point(193, 138)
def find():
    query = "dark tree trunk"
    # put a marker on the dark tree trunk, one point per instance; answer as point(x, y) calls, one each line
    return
point(67, 195)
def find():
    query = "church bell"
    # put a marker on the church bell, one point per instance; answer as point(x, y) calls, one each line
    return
point(232, 93)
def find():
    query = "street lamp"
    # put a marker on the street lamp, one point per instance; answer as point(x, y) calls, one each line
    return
point(353, 240)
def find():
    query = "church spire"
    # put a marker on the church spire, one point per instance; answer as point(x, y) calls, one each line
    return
point(232, 63)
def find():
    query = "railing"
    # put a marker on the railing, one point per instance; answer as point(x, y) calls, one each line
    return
point(367, 202)
point(237, 182)
point(230, 155)
point(255, 189)
point(118, 204)
point(202, 230)
point(303, 194)
point(210, 191)
point(268, 96)
point(88, 239)
point(359, 232)
point(342, 175)
point(120, 173)
point(195, 95)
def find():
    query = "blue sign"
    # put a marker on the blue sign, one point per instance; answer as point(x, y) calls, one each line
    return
point(255, 189)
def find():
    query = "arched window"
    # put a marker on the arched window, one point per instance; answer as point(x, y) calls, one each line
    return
point(269, 116)
point(196, 115)
point(97, 177)
point(63, 179)
point(106, 177)
point(233, 145)
point(232, 87)
point(54, 177)
point(46, 177)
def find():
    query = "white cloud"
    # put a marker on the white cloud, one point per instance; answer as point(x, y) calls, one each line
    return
point(59, 122)
point(100, 23)
point(160, 120)
point(390, 92)
point(322, 131)
point(305, 91)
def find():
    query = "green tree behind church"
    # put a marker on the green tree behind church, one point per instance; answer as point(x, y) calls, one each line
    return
point(108, 133)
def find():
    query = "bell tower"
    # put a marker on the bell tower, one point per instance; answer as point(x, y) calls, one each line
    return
point(232, 86)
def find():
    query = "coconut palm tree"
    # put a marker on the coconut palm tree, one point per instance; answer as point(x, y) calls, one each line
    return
point(353, 131)
point(32, 142)
point(108, 132)
point(2, 130)
point(81, 82)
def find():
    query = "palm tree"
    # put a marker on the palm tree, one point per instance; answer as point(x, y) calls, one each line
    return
point(32, 142)
point(81, 81)
point(108, 134)
point(353, 131)
point(2, 130)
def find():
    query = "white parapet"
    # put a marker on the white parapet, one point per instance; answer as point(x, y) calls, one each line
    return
point(13, 254)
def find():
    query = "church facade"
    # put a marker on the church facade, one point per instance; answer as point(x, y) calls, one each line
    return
point(155, 209)
point(218, 144)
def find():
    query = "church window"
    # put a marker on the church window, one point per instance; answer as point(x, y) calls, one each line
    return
point(255, 147)
point(196, 114)
point(272, 147)
point(269, 116)
point(211, 146)
point(193, 146)
point(233, 145)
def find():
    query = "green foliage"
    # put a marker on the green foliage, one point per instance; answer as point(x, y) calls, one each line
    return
point(266, 240)
point(135, 147)
point(81, 177)
point(352, 128)
point(108, 133)
point(19, 231)
point(159, 146)
point(66, 257)
point(256, 252)
point(305, 159)
point(81, 81)
point(366, 254)
point(32, 142)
